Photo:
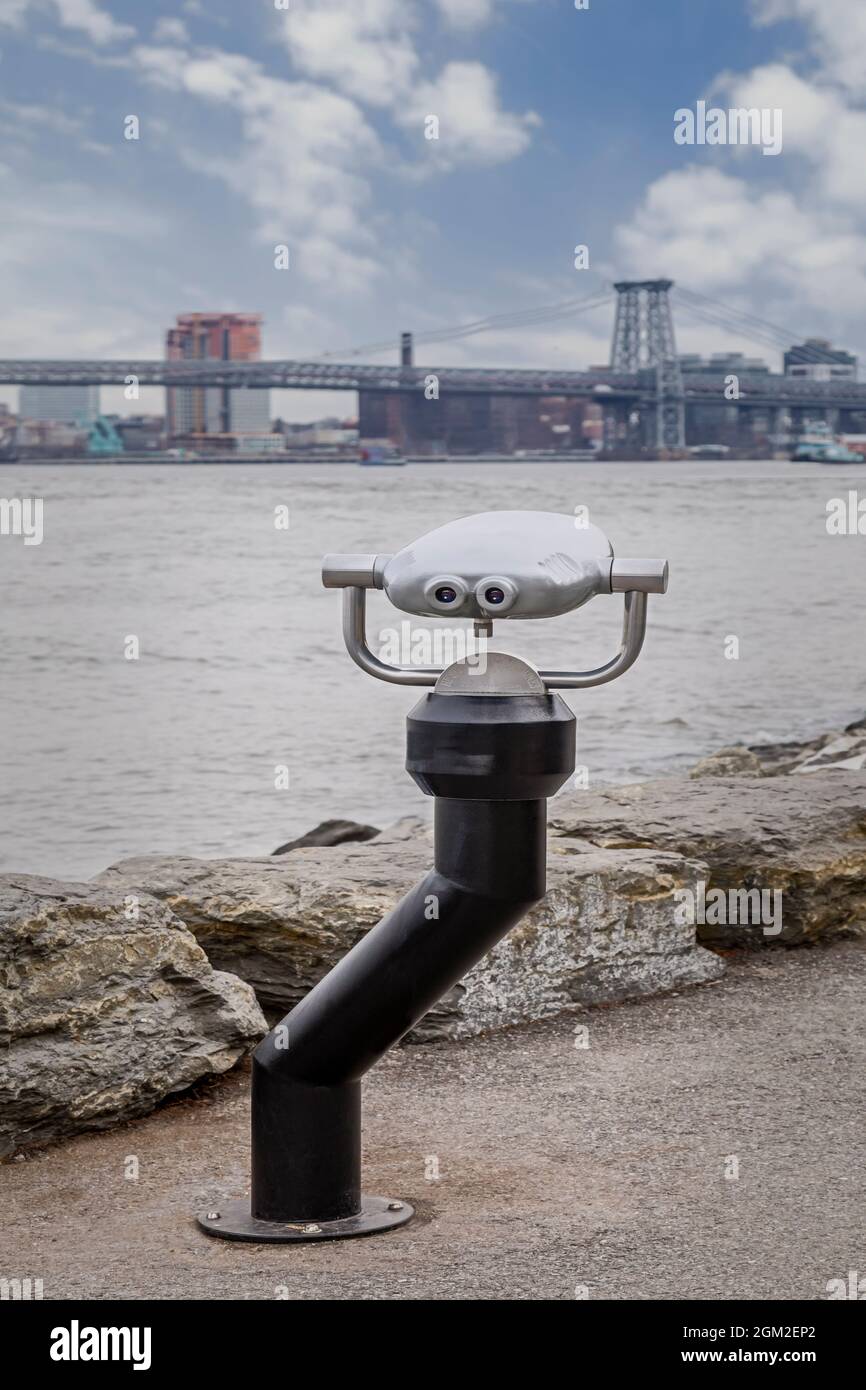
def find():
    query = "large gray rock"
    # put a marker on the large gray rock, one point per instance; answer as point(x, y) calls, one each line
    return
point(607, 929)
point(101, 1016)
point(804, 836)
point(736, 761)
point(844, 748)
point(285, 920)
point(844, 751)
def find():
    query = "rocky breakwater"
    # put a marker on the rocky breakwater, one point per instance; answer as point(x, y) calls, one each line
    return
point(607, 929)
point(802, 838)
point(107, 1006)
point(119, 992)
point(625, 864)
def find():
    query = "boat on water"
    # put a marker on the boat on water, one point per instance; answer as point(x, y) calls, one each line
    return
point(829, 451)
point(381, 456)
point(716, 452)
point(820, 445)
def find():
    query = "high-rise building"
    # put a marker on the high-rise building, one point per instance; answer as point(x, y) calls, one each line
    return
point(818, 361)
point(66, 405)
point(195, 410)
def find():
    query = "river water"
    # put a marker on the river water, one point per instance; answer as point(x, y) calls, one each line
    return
point(241, 669)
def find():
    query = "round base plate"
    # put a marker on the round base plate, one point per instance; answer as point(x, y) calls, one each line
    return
point(235, 1222)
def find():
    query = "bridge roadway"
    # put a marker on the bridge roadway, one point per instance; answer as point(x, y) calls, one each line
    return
point(758, 390)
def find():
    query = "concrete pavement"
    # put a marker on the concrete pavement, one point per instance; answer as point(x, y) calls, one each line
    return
point(545, 1162)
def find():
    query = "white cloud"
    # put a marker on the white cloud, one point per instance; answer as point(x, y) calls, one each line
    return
point(367, 48)
point(162, 65)
point(363, 46)
point(85, 15)
point(713, 227)
point(67, 281)
point(12, 11)
point(818, 126)
point(473, 128)
point(227, 77)
point(306, 151)
point(787, 239)
point(300, 164)
point(170, 31)
point(720, 234)
point(93, 21)
point(838, 30)
point(38, 116)
point(35, 221)
point(466, 14)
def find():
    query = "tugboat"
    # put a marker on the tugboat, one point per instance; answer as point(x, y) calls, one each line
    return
point(819, 445)
point(381, 456)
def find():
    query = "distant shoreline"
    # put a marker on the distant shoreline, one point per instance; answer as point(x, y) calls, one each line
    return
point(236, 462)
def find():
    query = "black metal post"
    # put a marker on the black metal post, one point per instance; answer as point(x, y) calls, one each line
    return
point(490, 761)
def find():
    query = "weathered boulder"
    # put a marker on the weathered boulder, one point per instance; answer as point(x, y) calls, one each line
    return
point(803, 836)
point(833, 749)
point(607, 929)
point(736, 761)
point(101, 1016)
point(331, 832)
point(845, 751)
point(285, 920)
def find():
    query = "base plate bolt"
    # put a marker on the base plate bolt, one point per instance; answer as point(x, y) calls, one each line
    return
point(395, 1206)
point(312, 1229)
point(213, 1216)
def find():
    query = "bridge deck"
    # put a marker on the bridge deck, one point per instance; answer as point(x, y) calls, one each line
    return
point(755, 390)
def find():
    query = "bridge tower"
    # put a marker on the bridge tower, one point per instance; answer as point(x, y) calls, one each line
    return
point(643, 338)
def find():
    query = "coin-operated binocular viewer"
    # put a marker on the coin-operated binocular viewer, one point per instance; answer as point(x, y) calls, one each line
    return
point(490, 743)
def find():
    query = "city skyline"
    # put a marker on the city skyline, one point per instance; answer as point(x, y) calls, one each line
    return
point(254, 133)
point(647, 399)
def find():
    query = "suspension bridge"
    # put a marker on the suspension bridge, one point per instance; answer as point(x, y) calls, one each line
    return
point(644, 392)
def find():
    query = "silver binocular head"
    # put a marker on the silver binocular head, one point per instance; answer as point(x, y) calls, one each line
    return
point(498, 565)
point(503, 565)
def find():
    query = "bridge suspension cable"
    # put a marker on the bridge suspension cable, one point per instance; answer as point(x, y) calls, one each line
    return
point(750, 325)
point(730, 324)
point(701, 306)
point(521, 318)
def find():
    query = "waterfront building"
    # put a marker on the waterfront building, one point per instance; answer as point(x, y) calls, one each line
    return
point(140, 433)
point(817, 360)
point(215, 410)
point(60, 405)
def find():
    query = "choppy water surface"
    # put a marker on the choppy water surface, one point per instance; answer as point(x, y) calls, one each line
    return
point(242, 667)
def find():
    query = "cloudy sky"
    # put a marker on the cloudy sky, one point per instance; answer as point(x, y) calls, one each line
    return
point(262, 125)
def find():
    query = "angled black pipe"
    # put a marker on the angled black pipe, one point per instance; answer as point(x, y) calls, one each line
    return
point(491, 762)
point(306, 1074)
